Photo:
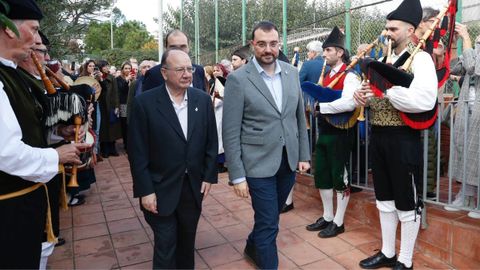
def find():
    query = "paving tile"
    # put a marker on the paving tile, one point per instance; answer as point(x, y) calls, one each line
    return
point(209, 200)
point(285, 263)
point(213, 210)
point(65, 222)
point(422, 261)
point(235, 232)
point(88, 219)
point(226, 197)
point(98, 260)
point(350, 259)
point(222, 220)
point(466, 242)
point(87, 209)
point(117, 204)
point(139, 266)
point(326, 263)
point(130, 238)
point(219, 255)
point(62, 264)
point(134, 254)
point(287, 238)
point(199, 262)
point(290, 219)
point(203, 225)
point(92, 245)
point(303, 253)
point(330, 246)
point(208, 239)
point(120, 214)
point(236, 205)
point(360, 236)
point(123, 225)
point(240, 264)
point(106, 188)
point(110, 196)
point(62, 253)
point(216, 189)
point(245, 216)
point(89, 231)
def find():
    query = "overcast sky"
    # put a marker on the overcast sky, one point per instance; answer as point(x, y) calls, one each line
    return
point(146, 10)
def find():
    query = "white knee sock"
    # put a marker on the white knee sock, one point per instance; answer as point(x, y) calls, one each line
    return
point(290, 198)
point(47, 250)
point(409, 231)
point(327, 200)
point(342, 203)
point(388, 223)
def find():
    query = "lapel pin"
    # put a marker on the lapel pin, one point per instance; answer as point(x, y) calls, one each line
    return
point(196, 109)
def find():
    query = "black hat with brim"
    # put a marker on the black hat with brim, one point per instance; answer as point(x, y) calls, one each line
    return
point(335, 39)
point(409, 11)
point(22, 10)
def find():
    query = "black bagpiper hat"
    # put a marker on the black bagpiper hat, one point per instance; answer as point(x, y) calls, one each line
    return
point(335, 39)
point(409, 11)
point(22, 10)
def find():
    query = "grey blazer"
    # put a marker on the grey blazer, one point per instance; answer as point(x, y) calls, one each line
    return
point(254, 130)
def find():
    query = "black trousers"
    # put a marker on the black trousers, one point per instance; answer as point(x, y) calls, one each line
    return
point(397, 165)
point(174, 235)
point(21, 230)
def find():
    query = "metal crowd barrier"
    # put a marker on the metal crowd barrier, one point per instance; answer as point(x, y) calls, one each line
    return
point(446, 187)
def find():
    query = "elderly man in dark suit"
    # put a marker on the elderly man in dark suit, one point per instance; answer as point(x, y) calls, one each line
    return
point(172, 156)
point(174, 39)
point(265, 138)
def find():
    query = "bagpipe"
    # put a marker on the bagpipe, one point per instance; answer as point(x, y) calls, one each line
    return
point(383, 76)
point(69, 105)
point(322, 94)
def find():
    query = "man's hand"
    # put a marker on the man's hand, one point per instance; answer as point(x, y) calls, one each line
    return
point(361, 95)
point(149, 202)
point(241, 189)
point(69, 153)
point(205, 189)
point(303, 166)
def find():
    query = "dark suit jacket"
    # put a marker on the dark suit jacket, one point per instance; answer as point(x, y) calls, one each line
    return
point(158, 152)
point(154, 78)
point(311, 70)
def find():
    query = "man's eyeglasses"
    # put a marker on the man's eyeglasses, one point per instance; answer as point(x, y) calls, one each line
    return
point(41, 51)
point(263, 45)
point(181, 70)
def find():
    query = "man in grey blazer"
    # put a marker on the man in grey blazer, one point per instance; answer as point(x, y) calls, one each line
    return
point(265, 138)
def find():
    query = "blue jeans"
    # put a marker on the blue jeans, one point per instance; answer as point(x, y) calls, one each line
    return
point(268, 196)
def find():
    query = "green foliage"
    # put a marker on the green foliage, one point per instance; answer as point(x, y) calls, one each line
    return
point(6, 22)
point(66, 21)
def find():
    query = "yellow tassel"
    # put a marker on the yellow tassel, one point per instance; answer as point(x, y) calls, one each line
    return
point(49, 226)
point(63, 191)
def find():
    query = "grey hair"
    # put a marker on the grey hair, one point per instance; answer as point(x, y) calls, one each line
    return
point(428, 13)
point(315, 46)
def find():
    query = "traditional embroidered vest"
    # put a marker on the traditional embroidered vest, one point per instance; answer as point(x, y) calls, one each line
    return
point(382, 112)
point(26, 101)
point(339, 85)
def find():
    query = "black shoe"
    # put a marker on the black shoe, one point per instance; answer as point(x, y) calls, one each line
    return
point(400, 266)
point(320, 224)
point(378, 260)
point(332, 230)
point(60, 242)
point(355, 189)
point(251, 253)
point(431, 195)
point(287, 207)
point(76, 201)
point(103, 155)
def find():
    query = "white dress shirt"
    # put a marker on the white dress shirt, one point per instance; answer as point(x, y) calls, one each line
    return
point(181, 110)
point(345, 103)
point(17, 158)
point(274, 83)
point(421, 95)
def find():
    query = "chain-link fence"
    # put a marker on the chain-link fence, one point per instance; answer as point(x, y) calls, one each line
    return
point(367, 20)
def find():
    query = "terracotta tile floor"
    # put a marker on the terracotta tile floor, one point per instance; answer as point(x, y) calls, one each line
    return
point(109, 231)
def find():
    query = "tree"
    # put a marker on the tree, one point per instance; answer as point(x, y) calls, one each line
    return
point(67, 20)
